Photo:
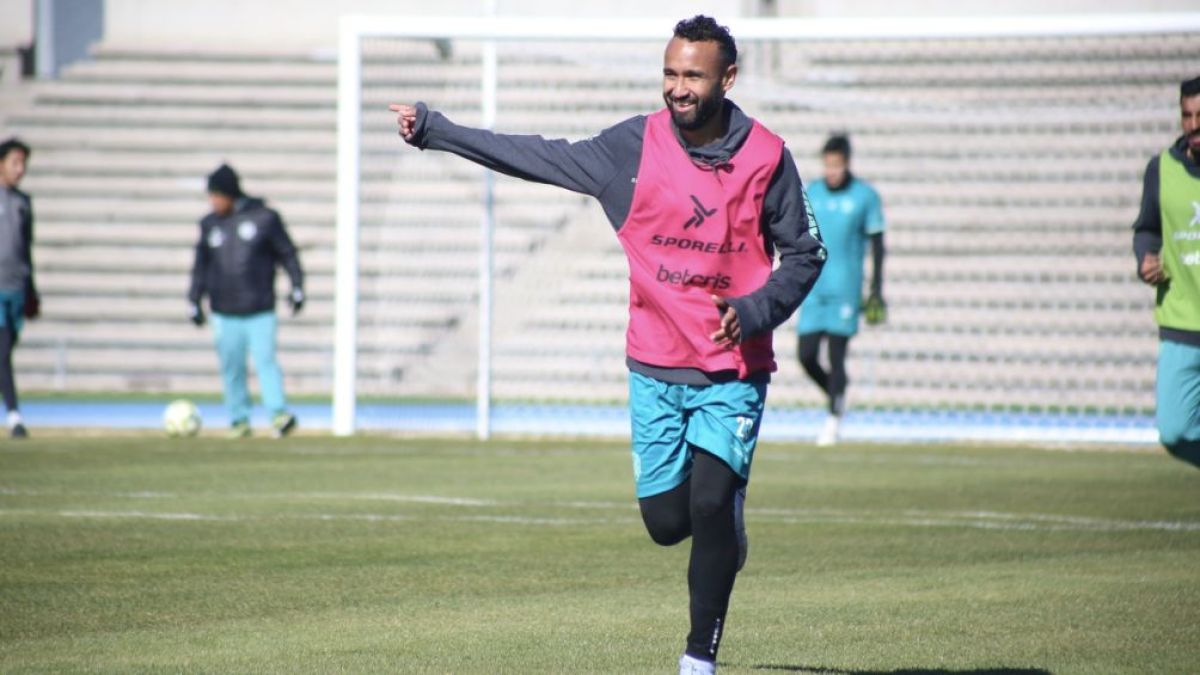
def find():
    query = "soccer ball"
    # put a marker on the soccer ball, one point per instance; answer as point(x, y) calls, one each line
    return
point(181, 418)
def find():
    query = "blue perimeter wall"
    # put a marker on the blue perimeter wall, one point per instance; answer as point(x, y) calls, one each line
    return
point(613, 421)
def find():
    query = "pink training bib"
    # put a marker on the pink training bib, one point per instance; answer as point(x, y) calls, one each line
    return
point(695, 231)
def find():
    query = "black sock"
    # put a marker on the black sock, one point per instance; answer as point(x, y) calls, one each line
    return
point(7, 386)
point(713, 564)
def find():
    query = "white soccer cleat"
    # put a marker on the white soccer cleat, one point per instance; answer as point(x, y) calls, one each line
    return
point(689, 665)
point(739, 525)
point(829, 433)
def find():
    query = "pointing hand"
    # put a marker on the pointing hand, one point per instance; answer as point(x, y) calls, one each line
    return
point(406, 118)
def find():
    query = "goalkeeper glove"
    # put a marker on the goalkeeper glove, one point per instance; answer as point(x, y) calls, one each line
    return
point(296, 300)
point(875, 309)
point(196, 314)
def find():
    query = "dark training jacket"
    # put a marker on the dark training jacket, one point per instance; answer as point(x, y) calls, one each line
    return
point(606, 166)
point(236, 256)
point(16, 242)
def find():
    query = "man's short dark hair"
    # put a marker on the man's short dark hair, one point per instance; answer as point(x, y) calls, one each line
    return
point(11, 144)
point(702, 28)
point(838, 144)
point(1189, 88)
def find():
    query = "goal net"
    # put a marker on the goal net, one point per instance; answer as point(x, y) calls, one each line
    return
point(1008, 157)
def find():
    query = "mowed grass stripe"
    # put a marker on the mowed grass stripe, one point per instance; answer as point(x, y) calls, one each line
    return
point(408, 555)
point(906, 518)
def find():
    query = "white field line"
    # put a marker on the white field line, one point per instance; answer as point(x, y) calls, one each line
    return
point(988, 520)
point(359, 517)
point(365, 496)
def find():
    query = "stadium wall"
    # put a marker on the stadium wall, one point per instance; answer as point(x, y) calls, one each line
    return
point(235, 25)
point(16, 28)
point(860, 8)
point(16, 31)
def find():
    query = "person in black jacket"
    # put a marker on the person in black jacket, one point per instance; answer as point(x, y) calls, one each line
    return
point(241, 242)
point(18, 295)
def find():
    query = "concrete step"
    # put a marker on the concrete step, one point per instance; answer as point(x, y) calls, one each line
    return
point(1077, 49)
point(1126, 71)
point(402, 190)
point(456, 213)
point(1081, 120)
point(71, 308)
point(121, 259)
point(414, 238)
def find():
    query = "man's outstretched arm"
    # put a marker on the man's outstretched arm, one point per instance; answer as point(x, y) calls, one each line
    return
point(583, 166)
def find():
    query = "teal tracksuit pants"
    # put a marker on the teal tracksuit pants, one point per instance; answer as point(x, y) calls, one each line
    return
point(235, 336)
point(1178, 395)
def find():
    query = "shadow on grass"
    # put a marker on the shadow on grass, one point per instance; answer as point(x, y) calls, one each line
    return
point(823, 670)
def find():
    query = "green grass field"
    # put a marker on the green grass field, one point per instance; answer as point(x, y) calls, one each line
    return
point(318, 555)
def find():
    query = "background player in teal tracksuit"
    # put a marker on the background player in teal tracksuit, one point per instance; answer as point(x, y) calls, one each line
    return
point(849, 213)
point(241, 243)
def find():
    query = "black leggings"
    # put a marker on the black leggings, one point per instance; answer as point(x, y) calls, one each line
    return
point(8, 340)
point(834, 382)
point(701, 507)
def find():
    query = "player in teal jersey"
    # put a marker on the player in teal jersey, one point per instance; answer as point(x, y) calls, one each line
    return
point(1166, 241)
point(849, 212)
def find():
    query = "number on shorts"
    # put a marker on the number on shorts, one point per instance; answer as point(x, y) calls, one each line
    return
point(745, 424)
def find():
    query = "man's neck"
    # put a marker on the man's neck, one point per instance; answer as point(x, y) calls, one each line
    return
point(701, 137)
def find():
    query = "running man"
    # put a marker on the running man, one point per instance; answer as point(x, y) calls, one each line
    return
point(1166, 241)
point(850, 214)
point(700, 196)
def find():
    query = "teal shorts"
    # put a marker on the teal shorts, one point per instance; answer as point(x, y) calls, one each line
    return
point(829, 314)
point(721, 419)
point(12, 310)
point(1178, 393)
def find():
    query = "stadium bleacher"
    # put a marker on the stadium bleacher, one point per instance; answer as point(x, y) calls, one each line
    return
point(1010, 171)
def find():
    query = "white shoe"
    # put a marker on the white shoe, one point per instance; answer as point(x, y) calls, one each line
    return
point(739, 525)
point(829, 433)
point(692, 666)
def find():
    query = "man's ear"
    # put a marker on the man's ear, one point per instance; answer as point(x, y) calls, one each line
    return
point(730, 75)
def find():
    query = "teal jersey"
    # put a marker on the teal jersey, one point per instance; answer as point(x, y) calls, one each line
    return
point(847, 218)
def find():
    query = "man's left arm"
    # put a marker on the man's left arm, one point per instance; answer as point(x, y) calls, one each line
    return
point(791, 228)
point(875, 226)
point(285, 253)
point(878, 252)
point(33, 302)
point(876, 308)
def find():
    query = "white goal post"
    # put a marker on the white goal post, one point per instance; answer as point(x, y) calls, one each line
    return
point(353, 30)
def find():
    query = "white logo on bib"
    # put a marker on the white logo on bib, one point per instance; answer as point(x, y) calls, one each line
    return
point(1195, 214)
point(215, 238)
